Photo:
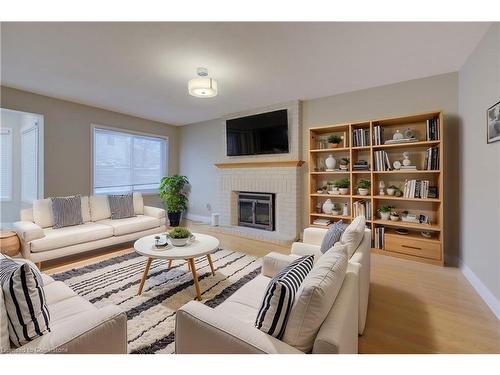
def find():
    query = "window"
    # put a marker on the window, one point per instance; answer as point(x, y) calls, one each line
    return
point(29, 164)
point(6, 164)
point(126, 162)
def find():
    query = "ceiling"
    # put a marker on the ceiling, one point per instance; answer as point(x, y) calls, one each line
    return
point(142, 69)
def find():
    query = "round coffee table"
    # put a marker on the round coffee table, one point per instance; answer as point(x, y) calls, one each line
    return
point(203, 245)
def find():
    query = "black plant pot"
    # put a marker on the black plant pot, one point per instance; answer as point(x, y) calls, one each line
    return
point(174, 218)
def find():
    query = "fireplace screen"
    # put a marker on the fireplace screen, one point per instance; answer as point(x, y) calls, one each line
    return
point(256, 210)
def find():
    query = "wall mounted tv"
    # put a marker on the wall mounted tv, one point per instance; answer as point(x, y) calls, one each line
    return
point(265, 133)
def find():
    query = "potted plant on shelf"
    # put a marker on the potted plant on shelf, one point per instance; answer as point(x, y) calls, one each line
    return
point(343, 186)
point(336, 210)
point(391, 189)
point(344, 164)
point(364, 187)
point(385, 212)
point(334, 140)
point(332, 189)
point(172, 193)
point(179, 236)
point(394, 216)
point(398, 192)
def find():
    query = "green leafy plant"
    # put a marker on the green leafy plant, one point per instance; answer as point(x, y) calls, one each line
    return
point(364, 184)
point(179, 232)
point(172, 193)
point(385, 209)
point(342, 184)
point(334, 138)
point(345, 161)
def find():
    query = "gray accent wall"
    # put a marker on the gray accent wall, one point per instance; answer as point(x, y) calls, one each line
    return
point(479, 178)
point(67, 139)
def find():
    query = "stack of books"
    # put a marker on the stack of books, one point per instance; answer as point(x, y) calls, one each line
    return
point(379, 237)
point(361, 165)
point(360, 137)
point(322, 222)
point(416, 189)
point(362, 208)
point(382, 162)
point(378, 135)
point(410, 167)
point(432, 159)
point(432, 129)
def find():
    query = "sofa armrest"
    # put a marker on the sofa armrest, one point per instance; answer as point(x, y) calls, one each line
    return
point(274, 262)
point(158, 213)
point(199, 329)
point(101, 331)
point(314, 236)
point(301, 249)
point(28, 231)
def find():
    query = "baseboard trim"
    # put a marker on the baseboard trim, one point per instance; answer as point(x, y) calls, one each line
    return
point(203, 219)
point(488, 297)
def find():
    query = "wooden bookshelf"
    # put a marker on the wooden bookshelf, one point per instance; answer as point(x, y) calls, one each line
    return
point(408, 246)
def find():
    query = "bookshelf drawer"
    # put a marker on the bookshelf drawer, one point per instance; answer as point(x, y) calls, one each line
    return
point(421, 248)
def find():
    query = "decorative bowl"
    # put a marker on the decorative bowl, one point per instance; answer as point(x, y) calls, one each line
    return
point(178, 242)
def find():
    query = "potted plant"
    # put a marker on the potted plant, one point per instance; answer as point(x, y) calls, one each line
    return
point(334, 140)
point(344, 164)
point(385, 212)
point(179, 236)
point(364, 187)
point(343, 186)
point(173, 194)
point(336, 210)
point(398, 192)
point(391, 189)
point(332, 189)
point(394, 216)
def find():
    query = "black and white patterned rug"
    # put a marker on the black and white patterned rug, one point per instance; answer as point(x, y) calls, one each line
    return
point(151, 316)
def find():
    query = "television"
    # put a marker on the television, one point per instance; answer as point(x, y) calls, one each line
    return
point(265, 133)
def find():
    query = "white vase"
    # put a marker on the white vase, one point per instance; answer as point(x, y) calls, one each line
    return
point(330, 163)
point(384, 215)
point(344, 191)
point(327, 206)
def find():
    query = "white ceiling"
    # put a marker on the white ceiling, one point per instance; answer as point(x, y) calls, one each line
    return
point(143, 68)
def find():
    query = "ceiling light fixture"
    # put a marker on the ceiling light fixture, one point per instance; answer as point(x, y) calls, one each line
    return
point(202, 86)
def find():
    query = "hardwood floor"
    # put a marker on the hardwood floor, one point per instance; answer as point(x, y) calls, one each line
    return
point(413, 308)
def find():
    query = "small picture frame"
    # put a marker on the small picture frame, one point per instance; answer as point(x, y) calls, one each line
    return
point(432, 192)
point(493, 123)
point(423, 219)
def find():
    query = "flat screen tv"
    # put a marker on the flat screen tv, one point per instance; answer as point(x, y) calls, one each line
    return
point(265, 133)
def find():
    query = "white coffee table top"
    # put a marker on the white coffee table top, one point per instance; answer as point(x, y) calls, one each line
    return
point(202, 245)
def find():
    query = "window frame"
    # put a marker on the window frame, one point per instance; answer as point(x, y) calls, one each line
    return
point(34, 128)
point(10, 197)
point(93, 127)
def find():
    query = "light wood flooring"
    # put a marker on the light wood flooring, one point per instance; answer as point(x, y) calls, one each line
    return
point(413, 308)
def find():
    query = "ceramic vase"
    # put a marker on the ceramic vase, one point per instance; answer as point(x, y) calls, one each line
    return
point(330, 163)
point(327, 206)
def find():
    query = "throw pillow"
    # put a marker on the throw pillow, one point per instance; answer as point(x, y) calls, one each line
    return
point(25, 302)
point(121, 206)
point(353, 234)
point(279, 296)
point(67, 211)
point(332, 236)
point(315, 298)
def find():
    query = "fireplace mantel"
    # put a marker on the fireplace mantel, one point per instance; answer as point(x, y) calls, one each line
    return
point(261, 164)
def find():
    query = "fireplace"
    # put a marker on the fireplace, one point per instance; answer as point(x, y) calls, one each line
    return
point(256, 210)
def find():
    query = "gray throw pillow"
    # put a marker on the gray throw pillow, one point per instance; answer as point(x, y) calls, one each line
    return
point(121, 206)
point(67, 211)
point(333, 235)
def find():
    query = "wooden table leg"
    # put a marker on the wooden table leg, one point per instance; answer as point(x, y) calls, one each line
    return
point(211, 264)
point(195, 278)
point(169, 264)
point(145, 275)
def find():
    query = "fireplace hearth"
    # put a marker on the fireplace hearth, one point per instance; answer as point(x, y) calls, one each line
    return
point(256, 210)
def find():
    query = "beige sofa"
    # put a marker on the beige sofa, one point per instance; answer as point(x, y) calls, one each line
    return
point(40, 242)
point(76, 325)
point(229, 328)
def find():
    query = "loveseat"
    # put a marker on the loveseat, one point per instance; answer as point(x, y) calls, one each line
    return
point(41, 242)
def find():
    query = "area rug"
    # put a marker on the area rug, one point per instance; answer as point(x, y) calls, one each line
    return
point(151, 316)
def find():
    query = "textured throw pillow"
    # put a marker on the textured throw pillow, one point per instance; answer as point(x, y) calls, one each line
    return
point(67, 211)
point(121, 206)
point(332, 235)
point(315, 298)
point(279, 296)
point(25, 302)
point(353, 234)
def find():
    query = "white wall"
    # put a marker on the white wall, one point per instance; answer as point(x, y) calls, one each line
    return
point(479, 88)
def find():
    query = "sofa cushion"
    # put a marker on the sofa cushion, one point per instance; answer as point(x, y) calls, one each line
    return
point(24, 301)
point(138, 204)
point(85, 209)
point(42, 213)
point(99, 207)
point(62, 237)
point(121, 206)
point(57, 291)
point(332, 235)
point(66, 211)
point(315, 298)
point(279, 296)
point(131, 224)
point(251, 293)
point(353, 234)
point(244, 313)
point(69, 308)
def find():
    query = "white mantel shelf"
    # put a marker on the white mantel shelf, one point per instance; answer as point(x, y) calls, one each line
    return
point(261, 164)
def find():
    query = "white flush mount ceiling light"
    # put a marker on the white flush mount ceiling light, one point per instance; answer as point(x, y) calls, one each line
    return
point(203, 86)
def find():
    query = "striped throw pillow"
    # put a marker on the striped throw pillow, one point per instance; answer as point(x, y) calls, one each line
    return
point(67, 211)
point(121, 206)
point(279, 296)
point(25, 302)
point(332, 235)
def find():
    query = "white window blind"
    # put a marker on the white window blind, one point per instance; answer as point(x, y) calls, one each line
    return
point(29, 165)
point(125, 162)
point(6, 164)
